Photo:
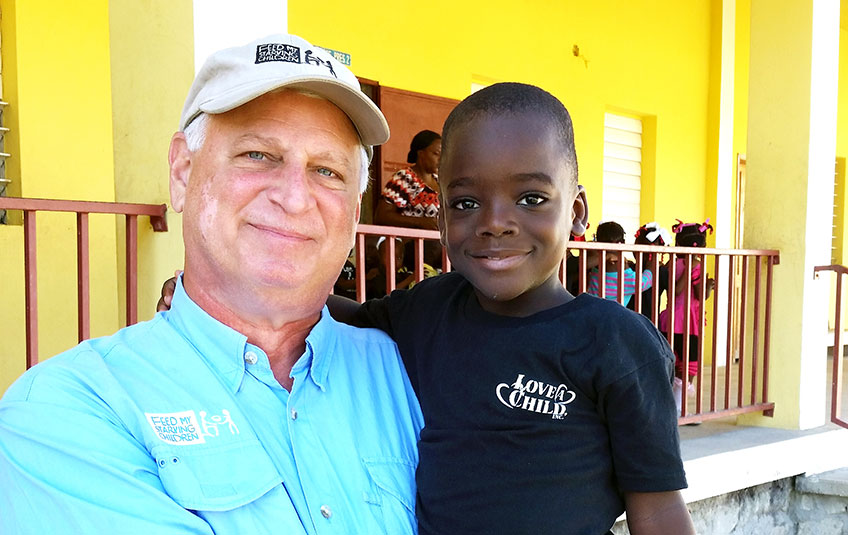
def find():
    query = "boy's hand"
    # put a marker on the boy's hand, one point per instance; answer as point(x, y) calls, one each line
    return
point(168, 288)
point(657, 513)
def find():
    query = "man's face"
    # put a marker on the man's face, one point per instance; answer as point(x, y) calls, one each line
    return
point(273, 196)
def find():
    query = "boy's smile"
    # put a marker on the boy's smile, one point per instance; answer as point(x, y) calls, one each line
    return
point(509, 201)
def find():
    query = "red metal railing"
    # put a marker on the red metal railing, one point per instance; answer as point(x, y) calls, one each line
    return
point(81, 208)
point(730, 380)
point(836, 380)
point(744, 375)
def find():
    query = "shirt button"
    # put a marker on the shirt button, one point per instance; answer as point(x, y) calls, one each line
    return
point(326, 512)
point(250, 357)
point(294, 414)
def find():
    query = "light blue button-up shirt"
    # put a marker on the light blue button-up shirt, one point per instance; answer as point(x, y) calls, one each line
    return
point(177, 425)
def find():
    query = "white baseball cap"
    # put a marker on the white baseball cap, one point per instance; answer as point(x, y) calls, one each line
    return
point(235, 76)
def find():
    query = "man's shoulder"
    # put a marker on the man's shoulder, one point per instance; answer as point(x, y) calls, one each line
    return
point(362, 336)
point(88, 365)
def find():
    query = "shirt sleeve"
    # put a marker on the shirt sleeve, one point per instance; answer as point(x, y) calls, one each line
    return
point(67, 467)
point(641, 404)
point(381, 313)
point(593, 287)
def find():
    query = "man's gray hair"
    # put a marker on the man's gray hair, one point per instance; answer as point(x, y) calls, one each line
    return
point(195, 134)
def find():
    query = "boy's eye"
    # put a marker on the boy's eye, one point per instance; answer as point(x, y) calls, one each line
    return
point(532, 199)
point(464, 204)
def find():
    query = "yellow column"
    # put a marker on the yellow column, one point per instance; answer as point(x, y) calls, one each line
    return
point(791, 149)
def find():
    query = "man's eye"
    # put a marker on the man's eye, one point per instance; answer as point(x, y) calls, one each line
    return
point(532, 199)
point(464, 204)
point(326, 172)
point(255, 155)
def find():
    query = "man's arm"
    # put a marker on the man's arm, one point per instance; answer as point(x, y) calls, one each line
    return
point(68, 468)
point(657, 513)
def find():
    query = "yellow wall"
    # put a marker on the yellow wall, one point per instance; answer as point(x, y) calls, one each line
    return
point(152, 68)
point(740, 81)
point(633, 59)
point(69, 70)
point(56, 77)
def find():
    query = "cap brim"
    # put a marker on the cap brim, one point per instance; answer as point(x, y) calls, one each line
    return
point(363, 113)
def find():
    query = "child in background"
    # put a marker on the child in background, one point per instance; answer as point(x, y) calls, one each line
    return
point(612, 232)
point(651, 234)
point(687, 235)
point(545, 413)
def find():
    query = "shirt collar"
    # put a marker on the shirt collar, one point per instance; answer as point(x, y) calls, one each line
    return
point(224, 348)
point(219, 345)
point(319, 350)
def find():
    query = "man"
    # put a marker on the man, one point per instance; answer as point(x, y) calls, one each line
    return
point(245, 408)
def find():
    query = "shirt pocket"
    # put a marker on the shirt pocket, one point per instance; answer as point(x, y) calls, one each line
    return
point(217, 478)
point(394, 491)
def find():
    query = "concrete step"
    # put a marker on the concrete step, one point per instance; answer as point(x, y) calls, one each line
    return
point(833, 483)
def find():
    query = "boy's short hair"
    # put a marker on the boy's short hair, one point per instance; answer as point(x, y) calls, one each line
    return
point(609, 232)
point(515, 98)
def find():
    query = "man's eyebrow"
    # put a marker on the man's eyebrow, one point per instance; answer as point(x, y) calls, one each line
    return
point(255, 137)
point(328, 155)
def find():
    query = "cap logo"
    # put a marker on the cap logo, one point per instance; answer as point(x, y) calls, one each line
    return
point(312, 60)
point(290, 54)
point(277, 52)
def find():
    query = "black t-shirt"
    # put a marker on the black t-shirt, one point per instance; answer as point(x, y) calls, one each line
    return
point(532, 425)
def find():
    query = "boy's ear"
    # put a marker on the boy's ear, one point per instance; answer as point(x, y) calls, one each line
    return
point(579, 213)
point(443, 239)
point(179, 161)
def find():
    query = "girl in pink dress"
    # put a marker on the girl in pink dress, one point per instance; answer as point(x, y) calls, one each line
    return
point(687, 235)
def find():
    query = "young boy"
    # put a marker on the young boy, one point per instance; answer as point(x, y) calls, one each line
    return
point(544, 413)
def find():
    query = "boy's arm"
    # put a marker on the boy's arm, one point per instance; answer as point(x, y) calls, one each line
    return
point(345, 310)
point(657, 513)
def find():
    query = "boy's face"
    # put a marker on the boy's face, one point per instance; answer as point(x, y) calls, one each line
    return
point(509, 203)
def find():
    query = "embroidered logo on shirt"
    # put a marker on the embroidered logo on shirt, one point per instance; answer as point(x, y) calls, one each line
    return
point(536, 396)
point(182, 428)
point(179, 428)
point(210, 425)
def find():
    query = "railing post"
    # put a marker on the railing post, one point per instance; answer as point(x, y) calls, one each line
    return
point(755, 348)
point(740, 380)
point(836, 386)
point(83, 294)
point(360, 267)
point(31, 289)
point(772, 260)
point(714, 367)
point(132, 269)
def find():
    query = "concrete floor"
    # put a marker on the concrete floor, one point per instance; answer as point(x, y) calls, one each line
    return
point(722, 457)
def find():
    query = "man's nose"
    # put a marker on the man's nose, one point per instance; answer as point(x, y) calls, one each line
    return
point(291, 188)
point(496, 219)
